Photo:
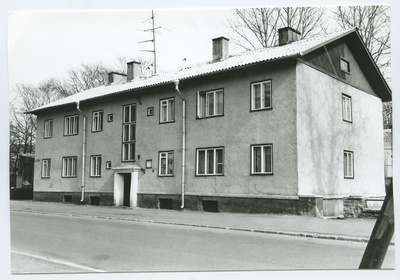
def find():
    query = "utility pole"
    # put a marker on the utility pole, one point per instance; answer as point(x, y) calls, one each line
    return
point(382, 234)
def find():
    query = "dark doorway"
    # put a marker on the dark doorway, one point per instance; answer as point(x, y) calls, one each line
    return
point(127, 189)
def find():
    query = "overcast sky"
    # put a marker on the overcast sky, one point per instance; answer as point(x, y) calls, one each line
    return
point(47, 44)
point(44, 44)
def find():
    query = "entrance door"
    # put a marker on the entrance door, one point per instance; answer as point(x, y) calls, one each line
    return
point(127, 189)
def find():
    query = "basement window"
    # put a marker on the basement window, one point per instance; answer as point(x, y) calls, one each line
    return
point(165, 203)
point(95, 200)
point(210, 205)
point(67, 198)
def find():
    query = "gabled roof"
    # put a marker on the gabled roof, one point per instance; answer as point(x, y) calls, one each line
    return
point(294, 49)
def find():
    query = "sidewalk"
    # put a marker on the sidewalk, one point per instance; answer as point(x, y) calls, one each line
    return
point(339, 229)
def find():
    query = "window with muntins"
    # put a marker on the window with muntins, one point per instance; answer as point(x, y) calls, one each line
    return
point(210, 161)
point(166, 164)
point(46, 165)
point(210, 103)
point(71, 125)
point(128, 132)
point(48, 129)
point(167, 110)
point(97, 121)
point(348, 158)
point(95, 166)
point(261, 159)
point(346, 108)
point(69, 167)
point(261, 95)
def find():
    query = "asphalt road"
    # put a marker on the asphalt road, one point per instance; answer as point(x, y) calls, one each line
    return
point(58, 244)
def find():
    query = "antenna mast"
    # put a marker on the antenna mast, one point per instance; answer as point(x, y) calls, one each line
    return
point(153, 30)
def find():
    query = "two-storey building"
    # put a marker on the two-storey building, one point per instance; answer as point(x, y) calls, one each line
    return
point(295, 128)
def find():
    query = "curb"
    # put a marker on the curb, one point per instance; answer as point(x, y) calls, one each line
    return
point(267, 231)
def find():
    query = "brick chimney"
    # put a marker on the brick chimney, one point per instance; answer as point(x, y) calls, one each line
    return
point(116, 78)
point(288, 35)
point(133, 72)
point(220, 49)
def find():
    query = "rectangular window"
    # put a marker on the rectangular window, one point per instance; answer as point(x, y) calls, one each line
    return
point(69, 167)
point(261, 95)
point(344, 65)
point(348, 158)
point(261, 159)
point(46, 165)
point(97, 121)
point(95, 166)
point(128, 132)
point(210, 103)
point(166, 164)
point(48, 129)
point(346, 108)
point(167, 110)
point(71, 125)
point(210, 161)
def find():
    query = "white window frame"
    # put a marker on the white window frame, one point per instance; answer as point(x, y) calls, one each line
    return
point(69, 167)
point(46, 168)
point(263, 168)
point(203, 103)
point(347, 110)
point(168, 157)
point(48, 129)
point(71, 124)
point(263, 85)
point(97, 121)
point(348, 163)
point(95, 166)
point(128, 132)
point(215, 163)
point(167, 115)
point(344, 65)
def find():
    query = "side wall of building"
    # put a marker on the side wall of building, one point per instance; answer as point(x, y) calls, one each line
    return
point(323, 136)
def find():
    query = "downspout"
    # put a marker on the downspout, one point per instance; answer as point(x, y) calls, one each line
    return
point(83, 152)
point(176, 82)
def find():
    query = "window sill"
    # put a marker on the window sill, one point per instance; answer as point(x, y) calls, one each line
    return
point(261, 174)
point(208, 175)
point(167, 122)
point(209, 117)
point(262, 109)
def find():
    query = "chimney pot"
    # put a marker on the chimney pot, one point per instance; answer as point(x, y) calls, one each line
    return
point(220, 49)
point(133, 70)
point(288, 35)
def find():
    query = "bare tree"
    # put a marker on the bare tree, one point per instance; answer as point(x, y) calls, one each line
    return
point(373, 23)
point(23, 126)
point(258, 27)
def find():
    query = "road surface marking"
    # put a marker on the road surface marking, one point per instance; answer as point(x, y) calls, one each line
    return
point(57, 261)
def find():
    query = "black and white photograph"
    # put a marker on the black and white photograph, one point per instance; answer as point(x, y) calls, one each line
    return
point(174, 141)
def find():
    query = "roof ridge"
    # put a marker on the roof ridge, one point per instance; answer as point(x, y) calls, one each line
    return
point(245, 58)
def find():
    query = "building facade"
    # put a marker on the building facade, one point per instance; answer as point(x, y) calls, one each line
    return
point(293, 129)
